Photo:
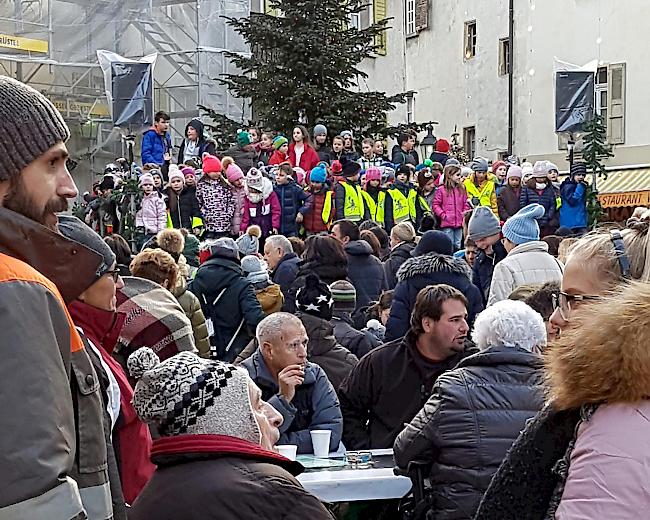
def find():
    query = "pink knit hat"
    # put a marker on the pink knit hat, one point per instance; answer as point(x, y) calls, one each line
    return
point(188, 170)
point(175, 173)
point(373, 174)
point(299, 174)
point(234, 173)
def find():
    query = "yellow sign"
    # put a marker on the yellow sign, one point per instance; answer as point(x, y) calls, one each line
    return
point(628, 198)
point(23, 44)
point(71, 107)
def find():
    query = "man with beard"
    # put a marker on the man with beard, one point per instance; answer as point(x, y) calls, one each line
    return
point(393, 382)
point(52, 445)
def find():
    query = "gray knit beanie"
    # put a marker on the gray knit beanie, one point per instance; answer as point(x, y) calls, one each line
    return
point(483, 223)
point(188, 395)
point(29, 126)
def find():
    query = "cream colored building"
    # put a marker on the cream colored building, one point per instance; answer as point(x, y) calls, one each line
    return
point(454, 54)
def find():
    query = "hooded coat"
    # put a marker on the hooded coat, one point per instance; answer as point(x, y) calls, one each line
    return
point(183, 207)
point(314, 407)
point(237, 311)
point(204, 145)
point(468, 424)
point(292, 198)
point(357, 342)
point(325, 351)
point(267, 213)
point(546, 197)
point(397, 256)
point(430, 269)
point(192, 308)
point(217, 204)
point(365, 271)
point(598, 392)
point(244, 156)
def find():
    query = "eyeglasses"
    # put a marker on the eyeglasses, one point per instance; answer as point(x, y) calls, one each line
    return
point(115, 274)
point(565, 303)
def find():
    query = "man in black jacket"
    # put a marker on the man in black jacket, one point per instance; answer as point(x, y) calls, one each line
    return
point(391, 384)
point(283, 263)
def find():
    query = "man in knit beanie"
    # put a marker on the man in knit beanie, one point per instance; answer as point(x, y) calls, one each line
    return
point(213, 422)
point(40, 270)
point(485, 231)
point(528, 260)
point(345, 301)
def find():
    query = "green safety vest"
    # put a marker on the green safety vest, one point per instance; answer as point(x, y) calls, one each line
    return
point(404, 207)
point(377, 209)
point(484, 196)
point(353, 207)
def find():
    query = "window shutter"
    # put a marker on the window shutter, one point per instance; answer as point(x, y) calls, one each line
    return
point(616, 104)
point(421, 14)
point(379, 11)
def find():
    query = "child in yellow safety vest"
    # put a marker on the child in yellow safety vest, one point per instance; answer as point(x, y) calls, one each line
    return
point(318, 206)
point(348, 196)
point(377, 199)
point(480, 186)
point(408, 205)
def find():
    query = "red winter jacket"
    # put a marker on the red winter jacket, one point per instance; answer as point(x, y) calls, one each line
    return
point(278, 158)
point(308, 160)
point(313, 217)
point(102, 328)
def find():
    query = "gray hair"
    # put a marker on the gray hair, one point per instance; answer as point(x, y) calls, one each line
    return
point(510, 323)
point(270, 327)
point(281, 242)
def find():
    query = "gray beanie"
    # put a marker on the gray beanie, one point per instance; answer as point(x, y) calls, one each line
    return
point(255, 269)
point(29, 125)
point(188, 395)
point(320, 130)
point(482, 224)
point(74, 229)
point(479, 164)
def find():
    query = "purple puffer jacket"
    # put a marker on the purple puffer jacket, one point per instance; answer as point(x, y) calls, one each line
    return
point(217, 204)
point(152, 215)
point(239, 195)
point(449, 206)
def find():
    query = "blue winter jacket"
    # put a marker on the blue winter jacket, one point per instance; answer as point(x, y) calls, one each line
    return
point(530, 195)
point(314, 407)
point(292, 199)
point(154, 147)
point(420, 272)
point(573, 212)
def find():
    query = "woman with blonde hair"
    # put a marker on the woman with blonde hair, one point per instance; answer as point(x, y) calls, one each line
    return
point(587, 453)
point(402, 243)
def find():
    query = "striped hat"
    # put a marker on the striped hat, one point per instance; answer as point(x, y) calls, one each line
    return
point(344, 295)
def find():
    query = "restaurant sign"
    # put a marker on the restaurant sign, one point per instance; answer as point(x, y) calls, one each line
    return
point(627, 198)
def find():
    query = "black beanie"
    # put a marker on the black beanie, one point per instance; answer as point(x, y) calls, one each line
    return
point(315, 298)
point(351, 168)
point(30, 125)
point(434, 242)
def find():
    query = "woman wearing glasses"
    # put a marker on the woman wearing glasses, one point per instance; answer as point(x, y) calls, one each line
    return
point(587, 453)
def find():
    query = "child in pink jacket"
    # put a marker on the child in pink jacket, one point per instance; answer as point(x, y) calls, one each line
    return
point(261, 205)
point(449, 204)
point(152, 215)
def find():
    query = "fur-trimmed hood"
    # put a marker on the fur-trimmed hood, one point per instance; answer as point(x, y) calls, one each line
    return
point(432, 263)
point(604, 357)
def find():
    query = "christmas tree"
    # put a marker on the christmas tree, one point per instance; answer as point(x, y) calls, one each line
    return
point(595, 150)
point(304, 67)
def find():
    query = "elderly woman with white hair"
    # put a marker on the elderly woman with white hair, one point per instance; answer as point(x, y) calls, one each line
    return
point(477, 410)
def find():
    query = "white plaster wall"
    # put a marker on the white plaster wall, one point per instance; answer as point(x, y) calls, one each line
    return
point(454, 91)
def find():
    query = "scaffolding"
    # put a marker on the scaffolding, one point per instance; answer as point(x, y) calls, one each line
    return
point(52, 44)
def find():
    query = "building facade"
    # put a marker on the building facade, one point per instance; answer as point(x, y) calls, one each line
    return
point(456, 54)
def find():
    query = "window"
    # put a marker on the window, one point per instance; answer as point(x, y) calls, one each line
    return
point(504, 56)
point(601, 92)
point(409, 109)
point(355, 21)
point(470, 40)
point(616, 103)
point(409, 18)
point(469, 141)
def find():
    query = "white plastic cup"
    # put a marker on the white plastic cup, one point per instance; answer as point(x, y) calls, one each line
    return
point(288, 450)
point(320, 440)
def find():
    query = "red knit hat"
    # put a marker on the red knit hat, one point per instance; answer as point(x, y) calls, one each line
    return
point(496, 165)
point(442, 146)
point(336, 167)
point(211, 164)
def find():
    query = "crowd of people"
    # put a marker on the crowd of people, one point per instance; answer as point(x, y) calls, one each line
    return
point(461, 315)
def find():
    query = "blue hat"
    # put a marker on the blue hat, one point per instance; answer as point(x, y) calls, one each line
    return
point(318, 174)
point(522, 227)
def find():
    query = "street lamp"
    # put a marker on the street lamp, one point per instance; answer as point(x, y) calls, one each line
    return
point(428, 144)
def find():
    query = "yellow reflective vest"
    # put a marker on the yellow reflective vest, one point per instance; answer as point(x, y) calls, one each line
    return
point(377, 209)
point(353, 208)
point(327, 208)
point(486, 194)
point(404, 208)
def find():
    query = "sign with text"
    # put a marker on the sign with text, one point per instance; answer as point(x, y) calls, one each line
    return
point(23, 44)
point(627, 198)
